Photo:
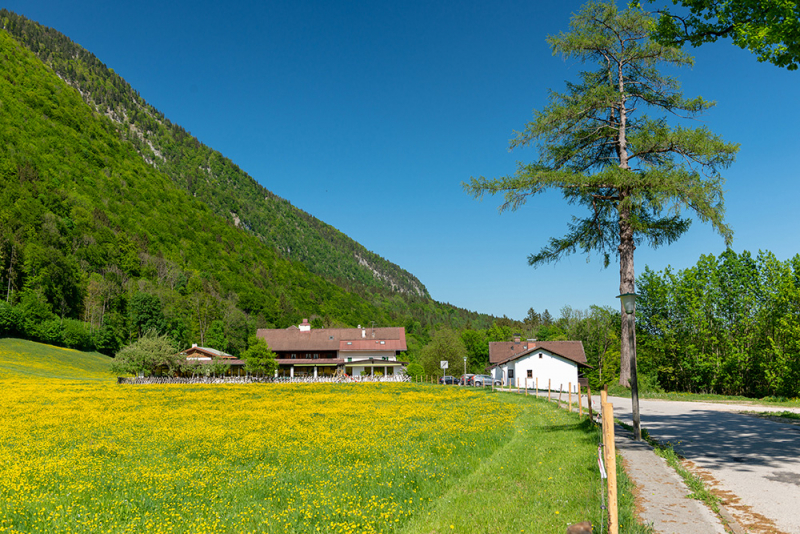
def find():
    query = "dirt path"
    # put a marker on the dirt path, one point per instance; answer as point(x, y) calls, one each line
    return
point(752, 463)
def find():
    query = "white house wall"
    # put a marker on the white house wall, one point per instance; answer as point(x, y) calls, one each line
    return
point(365, 355)
point(559, 371)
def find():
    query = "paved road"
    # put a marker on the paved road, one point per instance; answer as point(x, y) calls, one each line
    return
point(753, 463)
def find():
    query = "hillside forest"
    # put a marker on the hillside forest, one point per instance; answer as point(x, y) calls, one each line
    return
point(115, 222)
point(98, 244)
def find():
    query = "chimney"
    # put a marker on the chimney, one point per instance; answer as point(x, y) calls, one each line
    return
point(194, 345)
point(304, 326)
point(517, 338)
point(363, 332)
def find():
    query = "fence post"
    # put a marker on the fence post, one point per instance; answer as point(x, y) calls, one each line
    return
point(611, 463)
point(580, 403)
point(560, 390)
point(570, 396)
point(548, 389)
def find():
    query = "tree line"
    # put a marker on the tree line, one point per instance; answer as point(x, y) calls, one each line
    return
point(730, 325)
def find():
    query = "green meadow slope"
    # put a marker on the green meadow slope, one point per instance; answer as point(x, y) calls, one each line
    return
point(20, 358)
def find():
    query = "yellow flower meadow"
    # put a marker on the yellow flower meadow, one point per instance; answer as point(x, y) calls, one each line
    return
point(79, 456)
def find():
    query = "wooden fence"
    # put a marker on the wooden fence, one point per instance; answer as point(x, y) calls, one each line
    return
point(257, 379)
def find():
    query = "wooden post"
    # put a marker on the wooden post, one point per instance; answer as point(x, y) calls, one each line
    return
point(548, 389)
point(570, 396)
point(580, 403)
point(611, 466)
point(537, 386)
point(560, 389)
point(526, 386)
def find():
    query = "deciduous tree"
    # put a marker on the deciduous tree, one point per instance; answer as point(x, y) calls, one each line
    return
point(258, 357)
point(146, 355)
point(768, 28)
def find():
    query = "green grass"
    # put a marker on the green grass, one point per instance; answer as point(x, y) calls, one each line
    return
point(26, 359)
point(542, 480)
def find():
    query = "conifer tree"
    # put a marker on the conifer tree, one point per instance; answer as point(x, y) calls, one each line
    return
point(636, 175)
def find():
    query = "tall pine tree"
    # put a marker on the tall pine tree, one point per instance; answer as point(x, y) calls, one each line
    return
point(635, 174)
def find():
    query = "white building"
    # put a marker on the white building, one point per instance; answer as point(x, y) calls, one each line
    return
point(542, 364)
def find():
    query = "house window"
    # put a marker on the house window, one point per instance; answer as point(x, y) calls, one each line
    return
point(540, 355)
point(384, 357)
point(316, 355)
point(294, 356)
point(530, 373)
point(510, 373)
point(349, 359)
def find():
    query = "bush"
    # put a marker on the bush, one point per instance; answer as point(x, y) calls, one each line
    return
point(149, 354)
point(76, 335)
point(10, 320)
point(415, 370)
point(48, 331)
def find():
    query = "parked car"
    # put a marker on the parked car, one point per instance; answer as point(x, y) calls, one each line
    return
point(448, 380)
point(484, 380)
point(466, 380)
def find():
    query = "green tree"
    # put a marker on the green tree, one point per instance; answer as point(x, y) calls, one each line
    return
point(415, 370)
point(146, 314)
point(147, 355)
point(768, 28)
point(215, 336)
point(477, 346)
point(445, 345)
point(258, 357)
point(634, 174)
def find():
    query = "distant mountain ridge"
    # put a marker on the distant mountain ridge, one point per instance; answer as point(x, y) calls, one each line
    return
point(208, 175)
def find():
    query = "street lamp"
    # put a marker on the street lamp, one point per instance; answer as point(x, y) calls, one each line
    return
point(629, 304)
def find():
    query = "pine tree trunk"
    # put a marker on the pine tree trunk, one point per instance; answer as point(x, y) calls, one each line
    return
point(626, 285)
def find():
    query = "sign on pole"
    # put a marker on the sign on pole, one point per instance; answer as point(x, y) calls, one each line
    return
point(444, 364)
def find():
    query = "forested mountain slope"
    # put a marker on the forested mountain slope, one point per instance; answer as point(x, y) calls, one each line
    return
point(97, 245)
point(207, 174)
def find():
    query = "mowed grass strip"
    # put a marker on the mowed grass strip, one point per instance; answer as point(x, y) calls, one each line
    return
point(542, 480)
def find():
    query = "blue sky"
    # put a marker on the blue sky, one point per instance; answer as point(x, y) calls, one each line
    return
point(370, 115)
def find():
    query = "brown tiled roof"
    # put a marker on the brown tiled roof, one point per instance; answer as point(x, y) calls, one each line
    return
point(373, 344)
point(502, 352)
point(330, 339)
point(207, 351)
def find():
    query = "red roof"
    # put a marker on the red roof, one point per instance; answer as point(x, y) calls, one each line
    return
point(334, 339)
point(392, 345)
point(502, 352)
